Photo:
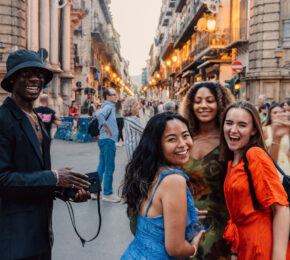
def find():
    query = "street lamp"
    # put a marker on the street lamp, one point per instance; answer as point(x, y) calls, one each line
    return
point(278, 55)
point(174, 58)
point(211, 24)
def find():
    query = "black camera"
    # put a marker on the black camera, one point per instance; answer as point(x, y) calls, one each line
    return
point(93, 178)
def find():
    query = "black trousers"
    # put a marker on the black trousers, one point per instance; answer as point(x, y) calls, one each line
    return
point(45, 256)
point(120, 123)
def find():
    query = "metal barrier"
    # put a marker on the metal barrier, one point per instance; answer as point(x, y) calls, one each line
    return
point(74, 129)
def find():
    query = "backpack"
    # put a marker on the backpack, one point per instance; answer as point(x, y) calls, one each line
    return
point(285, 183)
point(93, 128)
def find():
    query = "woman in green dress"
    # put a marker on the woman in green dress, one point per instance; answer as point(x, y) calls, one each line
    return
point(203, 106)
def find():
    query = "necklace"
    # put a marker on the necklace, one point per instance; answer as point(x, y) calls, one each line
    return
point(34, 118)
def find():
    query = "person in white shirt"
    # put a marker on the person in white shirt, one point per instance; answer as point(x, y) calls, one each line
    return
point(133, 125)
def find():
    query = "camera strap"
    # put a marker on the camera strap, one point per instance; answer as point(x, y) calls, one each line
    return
point(72, 218)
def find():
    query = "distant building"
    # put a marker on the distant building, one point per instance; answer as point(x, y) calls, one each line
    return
point(199, 42)
point(82, 43)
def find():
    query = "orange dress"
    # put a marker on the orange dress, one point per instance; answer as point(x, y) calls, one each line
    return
point(250, 231)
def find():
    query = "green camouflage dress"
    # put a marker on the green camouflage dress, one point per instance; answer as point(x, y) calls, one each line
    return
point(206, 184)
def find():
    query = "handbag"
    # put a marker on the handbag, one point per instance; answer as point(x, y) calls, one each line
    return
point(67, 196)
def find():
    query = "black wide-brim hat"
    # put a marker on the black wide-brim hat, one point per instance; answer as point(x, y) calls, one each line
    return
point(24, 59)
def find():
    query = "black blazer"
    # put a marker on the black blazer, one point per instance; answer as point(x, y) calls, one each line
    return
point(26, 186)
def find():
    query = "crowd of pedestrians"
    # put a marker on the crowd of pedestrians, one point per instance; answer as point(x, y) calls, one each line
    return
point(186, 183)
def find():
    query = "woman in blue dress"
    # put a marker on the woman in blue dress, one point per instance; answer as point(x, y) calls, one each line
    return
point(156, 189)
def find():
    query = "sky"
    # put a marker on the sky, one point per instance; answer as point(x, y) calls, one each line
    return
point(136, 21)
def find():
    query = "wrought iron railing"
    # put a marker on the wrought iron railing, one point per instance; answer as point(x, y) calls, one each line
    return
point(188, 18)
point(210, 40)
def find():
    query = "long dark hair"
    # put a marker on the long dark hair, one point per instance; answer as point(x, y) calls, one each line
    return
point(223, 98)
point(147, 159)
point(225, 153)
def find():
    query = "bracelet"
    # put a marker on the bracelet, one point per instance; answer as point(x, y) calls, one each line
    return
point(195, 251)
point(56, 175)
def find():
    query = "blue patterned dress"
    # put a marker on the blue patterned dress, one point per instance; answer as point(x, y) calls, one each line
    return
point(149, 242)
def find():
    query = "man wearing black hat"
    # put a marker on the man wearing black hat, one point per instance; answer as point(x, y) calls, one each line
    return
point(27, 183)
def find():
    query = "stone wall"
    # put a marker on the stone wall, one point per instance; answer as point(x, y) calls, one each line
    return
point(266, 74)
point(12, 32)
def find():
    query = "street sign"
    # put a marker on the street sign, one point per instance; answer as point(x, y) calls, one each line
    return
point(237, 66)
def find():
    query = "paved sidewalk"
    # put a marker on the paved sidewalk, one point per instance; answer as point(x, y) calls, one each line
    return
point(115, 234)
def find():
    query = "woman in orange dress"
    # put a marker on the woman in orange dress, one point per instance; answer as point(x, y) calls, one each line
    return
point(254, 234)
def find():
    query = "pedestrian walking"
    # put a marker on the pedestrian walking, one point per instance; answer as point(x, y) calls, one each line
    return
point(91, 108)
point(155, 188)
point(120, 122)
point(276, 134)
point(27, 183)
point(108, 137)
point(133, 125)
point(203, 106)
point(253, 233)
point(47, 115)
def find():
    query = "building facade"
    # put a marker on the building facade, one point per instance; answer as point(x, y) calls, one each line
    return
point(83, 46)
point(200, 40)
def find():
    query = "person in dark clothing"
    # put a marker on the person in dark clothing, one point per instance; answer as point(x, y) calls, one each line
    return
point(47, 115)
point(27, 183)
point(120, 122)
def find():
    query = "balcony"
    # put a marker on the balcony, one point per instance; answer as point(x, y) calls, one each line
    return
point(187, 26)
point(167, 47)
point(179, 5)
point(186, 63)
point(211, 40)
point(99, 33)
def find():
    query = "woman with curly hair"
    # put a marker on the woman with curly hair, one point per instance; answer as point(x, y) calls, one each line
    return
point(133, 125)
point(203, 107)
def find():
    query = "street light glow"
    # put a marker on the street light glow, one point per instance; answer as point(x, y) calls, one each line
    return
point(107, 68)
point(211, 24)
point(174, 58)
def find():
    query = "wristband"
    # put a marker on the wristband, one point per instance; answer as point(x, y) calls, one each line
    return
point(195, 251)
point(56, 175)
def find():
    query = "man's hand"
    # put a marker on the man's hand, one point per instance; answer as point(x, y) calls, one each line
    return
point(82, 196)
point(71, 179)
